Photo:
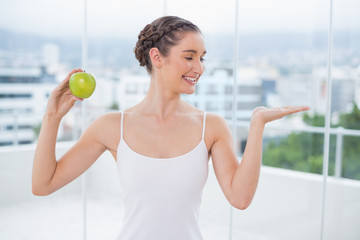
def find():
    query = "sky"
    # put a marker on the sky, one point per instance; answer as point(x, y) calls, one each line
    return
point(115, 18)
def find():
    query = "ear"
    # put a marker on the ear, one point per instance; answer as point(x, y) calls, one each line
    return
point(155, 57)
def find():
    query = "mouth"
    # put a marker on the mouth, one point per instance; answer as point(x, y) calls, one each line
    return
point(191, 80)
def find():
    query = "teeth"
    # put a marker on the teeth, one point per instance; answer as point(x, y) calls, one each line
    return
point(190, 79)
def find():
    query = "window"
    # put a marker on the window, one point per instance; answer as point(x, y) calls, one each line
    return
point(15, 95)
point(228, 106)
point(282, 60)
point(211, 106)
point(228, 90)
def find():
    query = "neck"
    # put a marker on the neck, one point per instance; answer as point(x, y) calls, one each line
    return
point(161, 100)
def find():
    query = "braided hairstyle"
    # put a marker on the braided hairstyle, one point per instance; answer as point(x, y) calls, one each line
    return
point(163, 33)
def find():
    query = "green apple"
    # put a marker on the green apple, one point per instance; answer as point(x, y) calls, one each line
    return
point(82, 84)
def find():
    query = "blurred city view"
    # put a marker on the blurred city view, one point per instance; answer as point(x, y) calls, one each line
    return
point(285, 55)
point(290, 69)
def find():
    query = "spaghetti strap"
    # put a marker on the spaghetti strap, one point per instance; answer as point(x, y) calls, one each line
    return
point(203, 131)
point(121, 125)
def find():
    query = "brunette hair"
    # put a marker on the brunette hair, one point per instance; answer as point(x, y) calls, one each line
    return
point(163, 33)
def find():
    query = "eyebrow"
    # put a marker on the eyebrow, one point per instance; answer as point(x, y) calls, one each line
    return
point(193, 51)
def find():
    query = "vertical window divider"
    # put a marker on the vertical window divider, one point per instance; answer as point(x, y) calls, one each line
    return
point(327, 119)
point(234, 106)
point(165, 8)
point(83, 112)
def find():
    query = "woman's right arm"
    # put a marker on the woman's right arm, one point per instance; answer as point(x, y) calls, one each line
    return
point(49, 174)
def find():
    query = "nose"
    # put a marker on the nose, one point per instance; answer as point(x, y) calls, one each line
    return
point(199, 67)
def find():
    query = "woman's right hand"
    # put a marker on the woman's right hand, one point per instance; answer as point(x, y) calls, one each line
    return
point(61, 99)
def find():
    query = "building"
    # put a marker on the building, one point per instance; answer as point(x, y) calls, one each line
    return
point(23, 98)
point(132, 88)
point(50, 56)
point(345, 86)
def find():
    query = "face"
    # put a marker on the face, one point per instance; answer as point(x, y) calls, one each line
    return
point(184, 64)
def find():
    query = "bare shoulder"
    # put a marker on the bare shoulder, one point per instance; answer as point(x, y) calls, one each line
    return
point(215, 122)
point(216, 128)
point(108, 118)
point(106, 129)
point(194, 111)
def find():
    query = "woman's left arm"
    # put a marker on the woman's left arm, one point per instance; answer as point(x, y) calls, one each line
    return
point(239, 181)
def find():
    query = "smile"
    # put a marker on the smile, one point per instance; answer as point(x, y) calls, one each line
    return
point(191, 80)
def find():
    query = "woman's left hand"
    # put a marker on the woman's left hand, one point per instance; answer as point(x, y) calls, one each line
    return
point(266, 115)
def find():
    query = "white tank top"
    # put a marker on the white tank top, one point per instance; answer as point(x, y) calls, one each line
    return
point(162, 196)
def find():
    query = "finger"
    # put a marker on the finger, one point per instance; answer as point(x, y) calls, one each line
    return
point(67, 78)
point(68, 93)
point(305, 108)
point(301, 108)
point(69, 75)
point(71, 99)
point(295, 109)
point(63, 87)
point(76, 98)
point(71, 95)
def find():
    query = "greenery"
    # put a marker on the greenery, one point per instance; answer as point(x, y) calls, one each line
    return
point(36, 128)
point(304, 151)
point(114, 106)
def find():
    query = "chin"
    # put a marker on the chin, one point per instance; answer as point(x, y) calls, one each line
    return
point(189, 91)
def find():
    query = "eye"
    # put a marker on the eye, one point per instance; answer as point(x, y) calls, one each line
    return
point(202, 59)
point(188, 58)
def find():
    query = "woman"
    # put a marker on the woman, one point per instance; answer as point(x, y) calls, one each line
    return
point(162, 145)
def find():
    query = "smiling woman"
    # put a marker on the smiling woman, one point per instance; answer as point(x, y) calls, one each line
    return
point(162, 144)
point(282, 59)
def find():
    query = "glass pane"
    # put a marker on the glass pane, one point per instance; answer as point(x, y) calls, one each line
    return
point(34, 56)
point(342, 197)
point(113, 27)
point(40, 42)
point(345, 102)
point(111, 58)
point(213, 92)
point(283, 53)
point(216, 21)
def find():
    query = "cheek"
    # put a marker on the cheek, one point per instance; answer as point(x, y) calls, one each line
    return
point(189, 65)
point(203, 67)
point(183, 66)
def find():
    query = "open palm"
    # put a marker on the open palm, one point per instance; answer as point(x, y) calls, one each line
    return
point(270, 114)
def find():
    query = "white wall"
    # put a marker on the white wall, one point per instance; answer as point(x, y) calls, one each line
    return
point(287, 204)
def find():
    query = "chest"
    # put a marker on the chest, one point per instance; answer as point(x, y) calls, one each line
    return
point(163, 139)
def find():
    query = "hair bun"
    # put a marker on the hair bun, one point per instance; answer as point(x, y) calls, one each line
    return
point(161, 34)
